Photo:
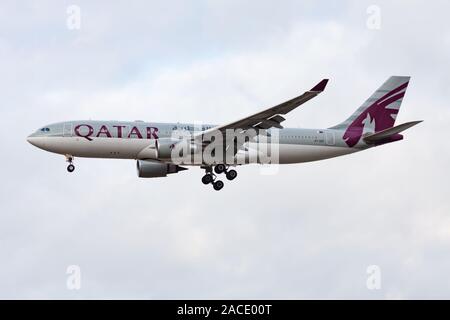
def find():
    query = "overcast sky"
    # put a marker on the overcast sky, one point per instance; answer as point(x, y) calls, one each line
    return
point(308, 231)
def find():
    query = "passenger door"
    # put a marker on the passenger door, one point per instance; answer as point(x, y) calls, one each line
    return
point(329, 138)
point(67, 130)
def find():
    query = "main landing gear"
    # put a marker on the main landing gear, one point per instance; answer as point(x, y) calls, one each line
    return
point(70, 167)
point(211, 177)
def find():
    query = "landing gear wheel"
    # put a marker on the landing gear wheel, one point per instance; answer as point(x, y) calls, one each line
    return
point(218, 185)
point(220, 168)
point(207, 178)
point(231, 174)
point(70, 168)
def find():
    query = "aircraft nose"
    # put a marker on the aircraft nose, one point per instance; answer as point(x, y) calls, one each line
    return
point(36, 141)
point(31, 140)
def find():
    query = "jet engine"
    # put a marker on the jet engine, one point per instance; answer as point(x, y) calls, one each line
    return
point(160, 149)
point(165, 149)
point(155, 169)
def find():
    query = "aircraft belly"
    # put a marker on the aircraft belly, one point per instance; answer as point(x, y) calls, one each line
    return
point(289, 153)
point(130, 148)
point(97, 147)
point(295, 153)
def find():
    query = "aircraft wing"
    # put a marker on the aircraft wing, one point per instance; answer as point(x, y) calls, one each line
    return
point(270, 117)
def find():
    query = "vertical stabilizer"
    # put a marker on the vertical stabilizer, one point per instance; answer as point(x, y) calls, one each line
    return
point(377, 113)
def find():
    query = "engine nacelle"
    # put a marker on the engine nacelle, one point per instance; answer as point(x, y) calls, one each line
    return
point(155, 168)
point(158, 149)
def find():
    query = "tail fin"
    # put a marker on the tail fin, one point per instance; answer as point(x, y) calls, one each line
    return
point(377, 113)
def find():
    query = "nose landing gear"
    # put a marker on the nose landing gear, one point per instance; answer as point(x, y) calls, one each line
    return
point(70, 167)
point(211, 177)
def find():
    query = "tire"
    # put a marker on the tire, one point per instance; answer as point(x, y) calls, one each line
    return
point(231, 174)
point(70, 168)
point(219, 168)
point(207, 179)
point(218, 185)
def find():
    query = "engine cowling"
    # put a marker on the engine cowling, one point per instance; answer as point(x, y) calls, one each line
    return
point(155, 168)
point(158, 149)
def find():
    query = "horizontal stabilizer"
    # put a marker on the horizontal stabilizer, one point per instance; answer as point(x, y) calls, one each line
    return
point(387, 133)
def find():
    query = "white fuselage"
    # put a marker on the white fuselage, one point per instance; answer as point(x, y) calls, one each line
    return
point(119, 148)
point(130, 140)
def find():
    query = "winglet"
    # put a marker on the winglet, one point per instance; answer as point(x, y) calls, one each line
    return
point(320, 86)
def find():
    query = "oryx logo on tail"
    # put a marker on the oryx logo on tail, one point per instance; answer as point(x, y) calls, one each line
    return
point(377, 113)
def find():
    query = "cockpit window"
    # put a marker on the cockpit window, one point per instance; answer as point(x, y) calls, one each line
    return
point(45, 129)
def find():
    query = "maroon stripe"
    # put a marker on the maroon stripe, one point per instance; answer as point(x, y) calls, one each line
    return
point(355, 129)
point(392, 100)
point(403, 86)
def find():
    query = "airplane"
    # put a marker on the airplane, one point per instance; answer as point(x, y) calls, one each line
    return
point(158, 147)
